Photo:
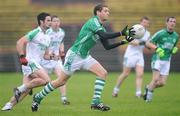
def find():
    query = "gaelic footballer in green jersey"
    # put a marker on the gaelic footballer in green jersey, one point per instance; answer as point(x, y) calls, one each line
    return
point(78, 57)
point(164, 42)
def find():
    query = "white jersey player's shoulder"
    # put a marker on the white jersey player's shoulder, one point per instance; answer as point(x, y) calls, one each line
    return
point(61, 30)
point(146, 36)
point(32, 34)
point(49, 31)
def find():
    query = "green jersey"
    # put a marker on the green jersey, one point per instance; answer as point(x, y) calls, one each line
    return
point(166, 41)
point(87, 37)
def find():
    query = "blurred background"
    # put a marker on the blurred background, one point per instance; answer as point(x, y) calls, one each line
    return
point(17, 17)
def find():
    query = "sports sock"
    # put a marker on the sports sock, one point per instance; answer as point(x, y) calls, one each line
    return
point(63, 98)
point(98, 87)
point(116, 90)
point(46, 90)
point(22, 88)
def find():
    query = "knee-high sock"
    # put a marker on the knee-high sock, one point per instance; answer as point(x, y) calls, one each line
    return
point(46, 90)
point(98, 88)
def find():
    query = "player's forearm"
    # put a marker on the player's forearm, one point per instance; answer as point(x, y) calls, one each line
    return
point(150, 45)
point(108, 35)
point(20, 44)
point(61, 49)
point(108, 46)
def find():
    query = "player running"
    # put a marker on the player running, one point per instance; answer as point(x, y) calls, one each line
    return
point(36, 44)
point(56, 48)
point(164, 42)
point(78, 57)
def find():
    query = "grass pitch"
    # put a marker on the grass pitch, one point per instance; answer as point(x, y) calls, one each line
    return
point(166, 100)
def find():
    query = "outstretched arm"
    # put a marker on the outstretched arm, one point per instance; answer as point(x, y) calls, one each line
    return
point(109, 46)
point(112, 35)
point(108, 35)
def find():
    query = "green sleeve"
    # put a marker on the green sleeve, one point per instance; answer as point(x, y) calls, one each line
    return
point(176, 39)
point(155, 37)
point(95, 25)
point(30, 35)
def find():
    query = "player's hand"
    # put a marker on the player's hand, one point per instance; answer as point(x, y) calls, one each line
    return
point(129, 39)
point(54, 57)
point(62, 55)
point(125, 31)
point(23, 60)
point(174, 50)
point(128, 32)
point(160, 52)
point(131, 32)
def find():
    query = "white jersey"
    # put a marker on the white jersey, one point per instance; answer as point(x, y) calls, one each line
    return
point(56, 38)
point(35, 50)
point(133, 50)
point(37, 45)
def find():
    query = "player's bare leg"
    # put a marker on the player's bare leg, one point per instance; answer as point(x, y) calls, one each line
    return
point(139, 80)
point(37, 98)
point(42, 78)
point(62, 89)
point(12, 102)
point(98, 88)
point(151, 86)
point(120, 80)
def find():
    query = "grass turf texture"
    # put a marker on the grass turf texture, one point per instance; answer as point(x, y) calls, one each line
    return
point(80, 90)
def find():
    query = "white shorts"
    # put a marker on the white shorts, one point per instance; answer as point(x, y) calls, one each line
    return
point(74, 62)
point(131, 62)
point(162, 66)
point(30, 68)
point(50, 65)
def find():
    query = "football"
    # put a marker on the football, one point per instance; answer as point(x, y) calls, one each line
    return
point(139, 31)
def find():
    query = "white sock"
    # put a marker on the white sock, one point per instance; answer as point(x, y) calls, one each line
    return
point(7, 106)
point(115, 90)
point(63, 98)
point(22, 88)
point(138, 93)
point(149, 95)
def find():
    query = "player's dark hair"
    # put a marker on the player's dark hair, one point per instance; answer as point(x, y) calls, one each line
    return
point(144, 18)
point(42, 16)
point(99, 7)
point(170, 17)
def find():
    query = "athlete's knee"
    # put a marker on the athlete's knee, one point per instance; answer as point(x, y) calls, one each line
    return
point(46, 80)
point(125, 74)
point(140, 73)
point(104, 74)
point(161, 83)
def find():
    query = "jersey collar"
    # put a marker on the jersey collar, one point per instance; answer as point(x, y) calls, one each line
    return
point(98, 19)
point(169, 32)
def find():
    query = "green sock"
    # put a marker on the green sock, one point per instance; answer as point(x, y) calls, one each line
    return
point(46, 90)
point(98, 87)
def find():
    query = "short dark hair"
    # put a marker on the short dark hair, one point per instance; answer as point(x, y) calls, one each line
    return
point(144, 18)
point(167, 18)
point(42, 16)
point(98, 7)
point(54, 16)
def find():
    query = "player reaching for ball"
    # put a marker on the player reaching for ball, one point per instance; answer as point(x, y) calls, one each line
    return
point(78, 57)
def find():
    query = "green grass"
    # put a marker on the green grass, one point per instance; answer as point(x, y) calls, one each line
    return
point(166, 100)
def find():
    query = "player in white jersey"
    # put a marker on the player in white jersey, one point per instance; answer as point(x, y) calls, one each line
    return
point(56, 48)
point(133, 58)
point(36, 44)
